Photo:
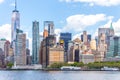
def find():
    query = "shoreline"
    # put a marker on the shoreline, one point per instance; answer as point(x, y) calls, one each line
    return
point(52, 70)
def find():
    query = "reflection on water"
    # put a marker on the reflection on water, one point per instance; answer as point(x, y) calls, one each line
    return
point(59, 75)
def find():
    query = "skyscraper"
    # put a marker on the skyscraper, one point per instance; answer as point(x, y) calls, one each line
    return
point(27, 43)
point(66, 37)
point(86, 38)
point(114, 48)
point(20, 56)
point(49, 26)
point(35, 42)
point(6, 50)
point(15, 24)
point(109, 32)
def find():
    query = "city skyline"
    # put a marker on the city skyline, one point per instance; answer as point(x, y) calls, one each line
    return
point(68, 16)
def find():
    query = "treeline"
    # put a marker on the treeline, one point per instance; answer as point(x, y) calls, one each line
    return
point(95, 65)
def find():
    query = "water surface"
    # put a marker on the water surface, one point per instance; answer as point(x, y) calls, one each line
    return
point(59, 75)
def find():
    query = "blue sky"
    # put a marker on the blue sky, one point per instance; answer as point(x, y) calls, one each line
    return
point(72, 16)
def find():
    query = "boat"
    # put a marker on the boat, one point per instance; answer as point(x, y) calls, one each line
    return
point(70, 68)
point(110, 69)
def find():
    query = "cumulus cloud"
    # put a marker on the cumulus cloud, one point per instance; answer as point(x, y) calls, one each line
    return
point(57, 33)
point(5, 31)
point(76, 36)
point(97, 2)
point(80, 22)
point(1, 1)
point(12, 4)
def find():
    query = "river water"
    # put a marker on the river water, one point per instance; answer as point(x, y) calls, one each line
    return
point(59, 75)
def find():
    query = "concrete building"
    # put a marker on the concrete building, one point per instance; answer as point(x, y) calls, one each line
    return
point(50, 53)
point(20, 55)
point(27, 43)
point(56, 55)
point(28, 57)
point(87, 58)
point(35, 43)
point(93, 44)
point(70, 51)
point(102, 47)
point(50, 41)
point(2, 43)
point(86, 38)
point(45, 34)
point(1, 57)
point(74, 50)
point(11, 55)
point(109, 32)
point(6, 51)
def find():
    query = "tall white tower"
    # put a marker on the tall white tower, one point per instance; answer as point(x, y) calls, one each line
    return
point(15, 24)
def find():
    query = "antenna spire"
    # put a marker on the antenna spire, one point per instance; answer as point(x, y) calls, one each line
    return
point(15, 4)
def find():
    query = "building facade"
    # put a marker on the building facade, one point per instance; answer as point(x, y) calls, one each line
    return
point(93, 44)
point(20, 56)
point(35, 42)
point(49, 26)
point(86, 38)
point(15, 24)
point(66, 37)
point(56, 55)
point(114, 48)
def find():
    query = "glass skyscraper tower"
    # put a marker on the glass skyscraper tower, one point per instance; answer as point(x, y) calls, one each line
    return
point(49, 26)
point(15, 24)
point(35, 42)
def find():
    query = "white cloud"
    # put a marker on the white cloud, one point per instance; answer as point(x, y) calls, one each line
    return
point(97, 2)
point(1, 1)
point(76, 36)
point(79, 22)
point(5, 31)
point(57, 33)
point(12, 4)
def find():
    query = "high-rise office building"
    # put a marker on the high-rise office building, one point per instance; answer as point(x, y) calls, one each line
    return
point(66, 37)
point(15, 24)
point(93, 44)
point(45, 33)
point(20, 56)
point(2, 43)
point(35, 42)
point(102, 47)
point(49, 26)
point(114, 48)
point(104, 35)
point(109, 32)
point(6, 50)
point(86, 38)
point(27, 43)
